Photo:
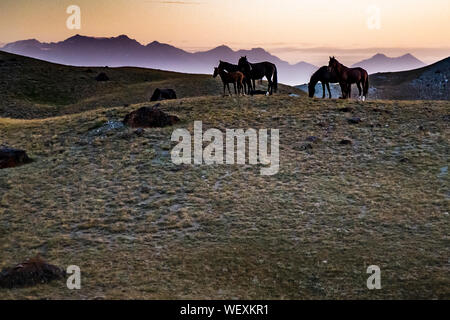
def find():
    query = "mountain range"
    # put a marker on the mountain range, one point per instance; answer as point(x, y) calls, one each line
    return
point(123, 51)
point(382, 63)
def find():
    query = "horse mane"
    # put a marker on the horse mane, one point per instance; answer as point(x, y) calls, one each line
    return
point(314, 78)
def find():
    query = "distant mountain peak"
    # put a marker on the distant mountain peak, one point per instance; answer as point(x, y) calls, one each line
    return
point(380, 55)
point(222, 48)
point(382, 63)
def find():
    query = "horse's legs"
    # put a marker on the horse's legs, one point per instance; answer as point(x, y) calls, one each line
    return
point(343, 89)
point(270, 86)
point(323, 89)
point(249, 85)
point(254, 85)
point(229, 91)
point(359, 89)
point(234, 84)
point(349, 91)
point(329, 91)
point(224, 85)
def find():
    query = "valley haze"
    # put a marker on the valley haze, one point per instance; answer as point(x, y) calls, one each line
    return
point(123, 51)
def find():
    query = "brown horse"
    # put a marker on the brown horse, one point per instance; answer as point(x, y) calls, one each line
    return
point(236, 78)
point(348, 76)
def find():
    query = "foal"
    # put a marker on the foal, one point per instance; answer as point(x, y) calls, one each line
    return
point(236, 78)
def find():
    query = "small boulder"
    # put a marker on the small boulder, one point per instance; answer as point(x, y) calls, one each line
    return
point(345, 109)
point(30, 272)
point(345, 142)
point(149, 117)
point(312, 139)
point(102, 77)
point(10, 158)
point(354, 120)
point(163, 94)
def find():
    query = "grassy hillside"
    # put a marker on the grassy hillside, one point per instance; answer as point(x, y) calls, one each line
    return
point(112, 202)
point(428, 83)
point(31, 88)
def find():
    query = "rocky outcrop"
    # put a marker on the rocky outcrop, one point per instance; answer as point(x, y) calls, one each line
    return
point(10, 157)
point(31, 272)
point(149, 117)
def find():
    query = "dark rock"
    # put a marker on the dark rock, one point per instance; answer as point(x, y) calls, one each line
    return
point(31, 272)
point(345, 109)
point(139, 131)
point(10, 158)
point(163, 94)
point(345, 142)
point(102, 77)
point(354, 120)
point(306, 147)
point(312, 139)
point(88, 71)
point(258, 92)
point(147, 117)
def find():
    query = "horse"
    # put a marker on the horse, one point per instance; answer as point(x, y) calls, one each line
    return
point(223, 65)
point(348, 76)
point(257, 71)
point(325, 77)
point(236, 78)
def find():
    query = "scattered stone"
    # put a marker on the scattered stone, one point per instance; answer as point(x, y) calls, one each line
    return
point(107, 127)
point(163, 94)
point(354, 120)
point(258, 92)
point(294, 95)
point(29, 273)
point(443, 172)
point(149, 117)
point(345, 142)
point(312, 139)
point(306, 147)
point(345, 109)
point(10, 158)
point(139, 132)
point(102, 77)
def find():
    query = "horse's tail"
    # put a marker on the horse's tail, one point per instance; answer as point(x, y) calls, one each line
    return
point(366, 86)
point(275, 79)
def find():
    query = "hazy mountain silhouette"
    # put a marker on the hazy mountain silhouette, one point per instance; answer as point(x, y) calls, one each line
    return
point(382, 63)
point(123, 51)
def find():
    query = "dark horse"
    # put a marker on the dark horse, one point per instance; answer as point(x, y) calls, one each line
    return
point(233, 68)
point(236, 78)
point(325, 77)
point(348, 76)
point(257, 71)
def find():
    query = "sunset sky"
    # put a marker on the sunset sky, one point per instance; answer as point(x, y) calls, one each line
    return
point(291, 29)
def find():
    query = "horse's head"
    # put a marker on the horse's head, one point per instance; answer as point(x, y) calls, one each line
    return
point(244, 65)
point(332, 64)
point(311, 90)
point(243, 60)
point(216, 72)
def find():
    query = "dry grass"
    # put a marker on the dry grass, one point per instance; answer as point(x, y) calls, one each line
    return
point(31, 88)
point(141, 227)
